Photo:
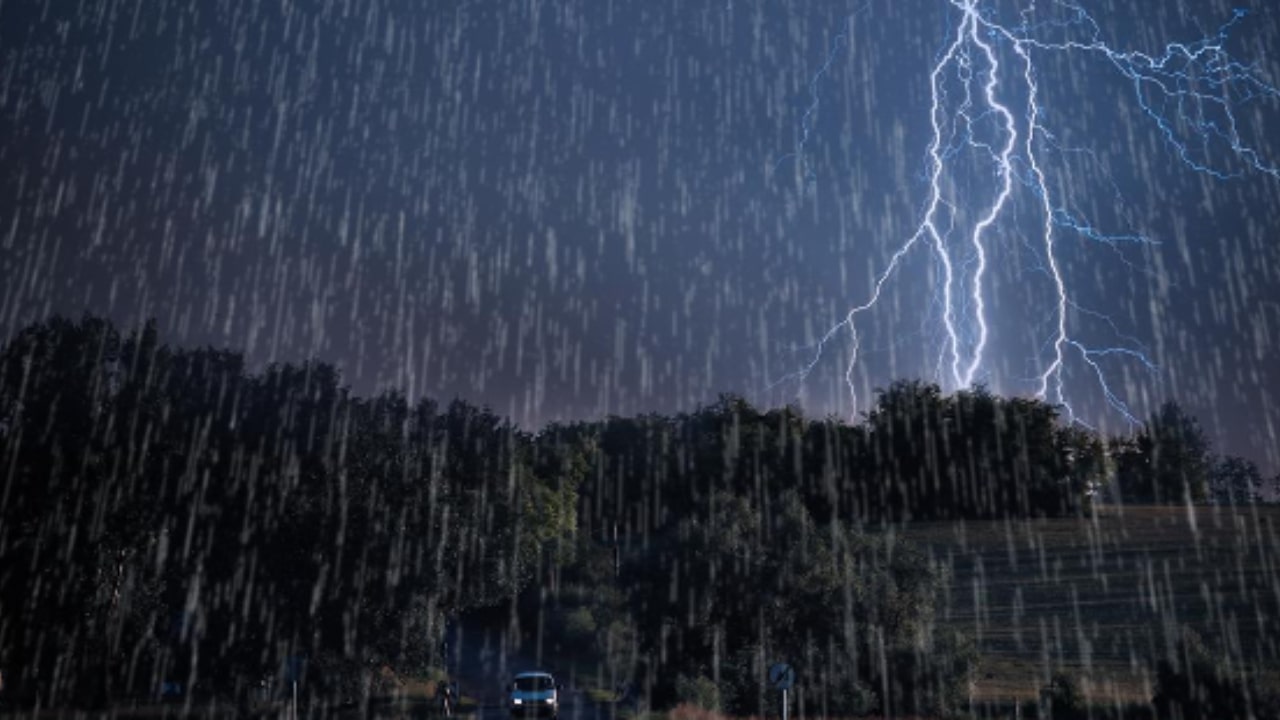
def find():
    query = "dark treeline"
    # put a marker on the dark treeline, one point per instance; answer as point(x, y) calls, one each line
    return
point(168, 517)
point(919, 455)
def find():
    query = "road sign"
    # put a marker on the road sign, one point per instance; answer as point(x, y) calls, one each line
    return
point(782, 676)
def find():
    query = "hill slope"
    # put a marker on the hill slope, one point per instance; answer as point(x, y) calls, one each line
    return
point(1098, 597)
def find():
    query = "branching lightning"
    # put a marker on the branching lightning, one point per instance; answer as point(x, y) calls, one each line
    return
point(1187, 92)
point(806, 121)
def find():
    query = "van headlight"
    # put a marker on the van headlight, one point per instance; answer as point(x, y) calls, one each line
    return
point(517, 701)
point(550, 700)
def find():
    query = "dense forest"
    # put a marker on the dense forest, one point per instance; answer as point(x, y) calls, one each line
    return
point(169, 517)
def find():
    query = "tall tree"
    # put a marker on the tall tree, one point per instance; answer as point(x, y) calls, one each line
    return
point(1235, 481)
point(1172, 459)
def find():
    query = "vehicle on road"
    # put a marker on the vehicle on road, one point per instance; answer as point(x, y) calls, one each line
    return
point(534, 694)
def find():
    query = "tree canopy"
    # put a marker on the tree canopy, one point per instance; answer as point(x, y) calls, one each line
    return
point(168, 515)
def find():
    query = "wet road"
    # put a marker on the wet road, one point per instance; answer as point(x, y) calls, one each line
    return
point(382, 709)
point(573, 710)
point(568, 711)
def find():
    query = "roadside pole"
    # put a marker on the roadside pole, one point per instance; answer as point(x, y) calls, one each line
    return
point(782, 676)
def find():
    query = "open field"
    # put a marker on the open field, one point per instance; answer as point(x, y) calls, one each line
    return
point(1098, 597)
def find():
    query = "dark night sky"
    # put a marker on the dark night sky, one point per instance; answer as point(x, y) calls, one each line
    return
point(565, 209)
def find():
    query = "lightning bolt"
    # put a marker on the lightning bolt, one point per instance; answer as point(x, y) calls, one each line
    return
point(1187, 91)
point(815, 99)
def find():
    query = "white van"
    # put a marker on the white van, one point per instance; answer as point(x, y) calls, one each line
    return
point(534, 694)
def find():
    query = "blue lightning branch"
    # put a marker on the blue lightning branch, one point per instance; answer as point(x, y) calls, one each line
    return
point(1188, 85)
point(806, 121)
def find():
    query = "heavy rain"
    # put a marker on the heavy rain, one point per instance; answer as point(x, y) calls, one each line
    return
point(640, 359)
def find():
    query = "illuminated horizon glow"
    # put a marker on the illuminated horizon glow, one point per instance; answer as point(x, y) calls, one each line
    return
point(978, 39)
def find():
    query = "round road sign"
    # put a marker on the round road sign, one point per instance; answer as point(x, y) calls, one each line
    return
point(782, 676)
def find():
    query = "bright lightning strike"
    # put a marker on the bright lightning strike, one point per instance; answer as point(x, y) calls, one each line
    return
point(1189, 88)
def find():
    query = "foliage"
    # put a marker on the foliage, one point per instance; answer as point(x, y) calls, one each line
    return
point(1167, 461)
point(746, 590)
point(169, 516)
point(698, 691)
point(580, 624)
point(1193, 684)
point(1061, 699)
point(1235, 481)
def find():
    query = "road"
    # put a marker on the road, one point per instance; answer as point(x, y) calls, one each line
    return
point(390, 710)
point(381, 709)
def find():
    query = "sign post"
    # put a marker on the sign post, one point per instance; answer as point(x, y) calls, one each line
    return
point(782, 676)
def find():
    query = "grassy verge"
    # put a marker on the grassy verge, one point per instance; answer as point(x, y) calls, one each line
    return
point(1099, 597)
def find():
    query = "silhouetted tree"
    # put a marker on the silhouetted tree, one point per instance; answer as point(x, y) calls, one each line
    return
point(1235, 481)
point(165, 515)
point(1167, 461)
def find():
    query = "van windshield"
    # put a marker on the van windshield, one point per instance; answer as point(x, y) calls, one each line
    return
point(534, 683)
